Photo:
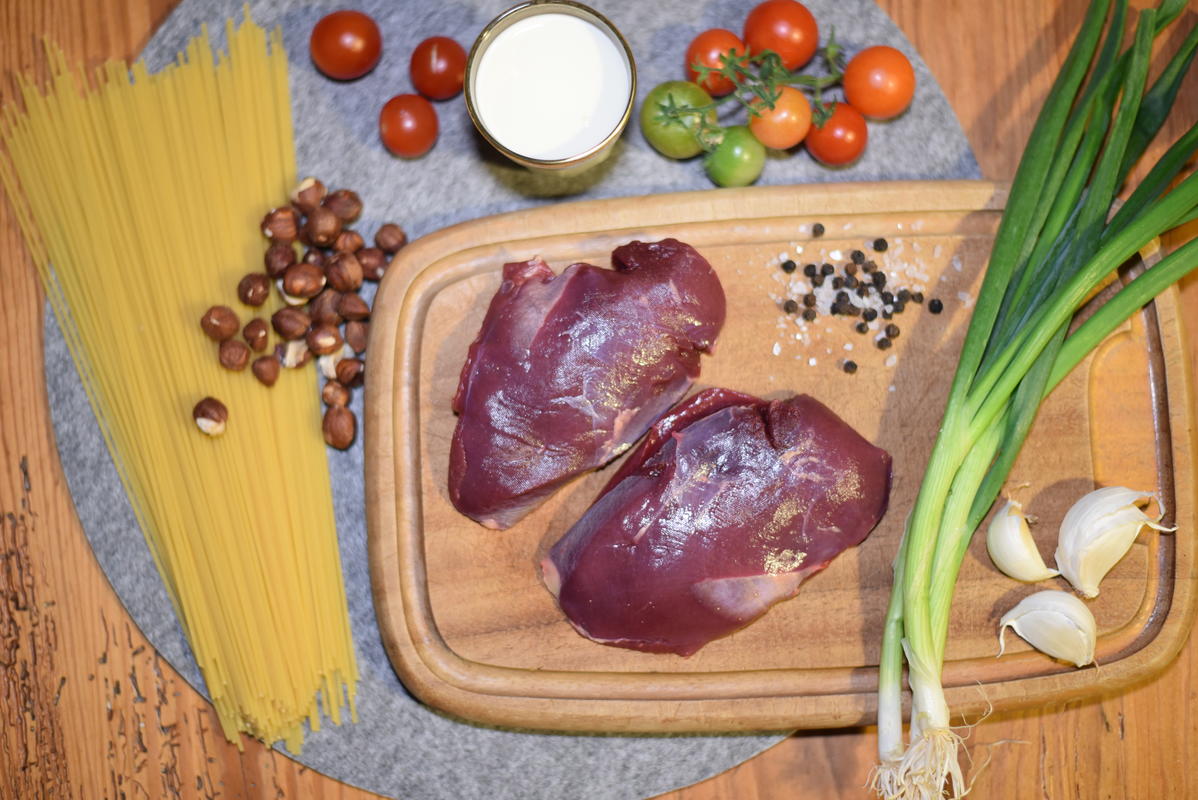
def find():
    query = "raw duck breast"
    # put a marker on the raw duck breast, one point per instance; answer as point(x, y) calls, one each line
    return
point(568, 371)
point(723, 511)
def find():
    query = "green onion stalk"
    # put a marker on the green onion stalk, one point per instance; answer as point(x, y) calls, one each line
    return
point(1057, 243)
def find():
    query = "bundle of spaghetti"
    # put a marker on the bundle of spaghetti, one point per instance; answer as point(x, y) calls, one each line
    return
point(139, 196)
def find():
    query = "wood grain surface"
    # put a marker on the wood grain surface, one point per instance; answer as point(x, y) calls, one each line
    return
point(88, 710)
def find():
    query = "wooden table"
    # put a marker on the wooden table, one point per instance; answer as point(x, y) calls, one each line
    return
point(87, 709)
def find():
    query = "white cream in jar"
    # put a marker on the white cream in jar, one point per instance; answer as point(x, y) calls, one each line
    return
point(552, 86)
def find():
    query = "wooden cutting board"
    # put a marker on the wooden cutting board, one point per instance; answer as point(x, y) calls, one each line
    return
point(471, 630)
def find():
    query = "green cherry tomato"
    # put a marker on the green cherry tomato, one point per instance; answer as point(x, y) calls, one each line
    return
point(737, 160)
point(675, 138)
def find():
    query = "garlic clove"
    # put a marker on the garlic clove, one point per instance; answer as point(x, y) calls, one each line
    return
point(1011, 548)
point(1055, 623)
point(1097, 532)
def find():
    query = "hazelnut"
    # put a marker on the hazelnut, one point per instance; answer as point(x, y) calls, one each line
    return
point(339, 427)
point(303, 280)
point(390, 237)
point(352, 306)
point(328, 363)
point(373, 261)
point(281, 224)
point(323, 227)
point(220, 323)
point(279, 256)
point(324, 339)
point(357, 333)
point(266, 369)
point(351, 372)
point(345, 204)
point(289, 299)
point(314, 255)
point(334, 394)
point(293, 355)
point(349, 242)
point(308, 194)
point(210, 416)
point(344, 272)
point(323, 308)
point(255, 334)
point(290, 323)
point(234, 354)
point(253, 289)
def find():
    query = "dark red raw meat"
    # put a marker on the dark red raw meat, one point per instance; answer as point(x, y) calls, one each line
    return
point(724, 509)
point(568, 371)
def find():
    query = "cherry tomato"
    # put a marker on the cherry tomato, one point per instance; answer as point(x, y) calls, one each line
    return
point(438, 67)
point(345, 45)
point(408, 125)
point(706, 49)
point(786, 123)
point(841, 139)
point(675, 138)
point(786, 27)
point(879, 82)
point(737, 160)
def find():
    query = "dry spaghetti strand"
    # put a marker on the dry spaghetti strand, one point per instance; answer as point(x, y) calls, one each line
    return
point(139, 195)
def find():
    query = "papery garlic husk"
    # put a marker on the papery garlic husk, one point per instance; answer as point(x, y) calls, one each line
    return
point(1053, 622)
point(1009, 542)
point(1097, 532)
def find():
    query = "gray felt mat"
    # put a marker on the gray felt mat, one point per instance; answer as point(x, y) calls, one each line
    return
point(401, 748)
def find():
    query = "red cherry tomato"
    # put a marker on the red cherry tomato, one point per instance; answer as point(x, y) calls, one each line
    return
point(408, 125)
point(786, 27)
point(438, 67)
point(784, 125)
point(841, 139)
point(345, 45)
point(879, 82)
point(706, 49)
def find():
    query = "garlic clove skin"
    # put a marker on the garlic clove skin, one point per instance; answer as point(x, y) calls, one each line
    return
point(1097, 532)
point(1011, 548)
point(1055, 623)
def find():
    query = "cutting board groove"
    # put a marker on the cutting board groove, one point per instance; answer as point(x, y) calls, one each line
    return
point(468, 626)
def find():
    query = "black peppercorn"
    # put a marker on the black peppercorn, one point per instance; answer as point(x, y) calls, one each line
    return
point(850, 282)
point(810, 270)
point(887, 298)
point(789, 266)
point(879, 279)
point(869, 266)
point(827, 269)
point(883, 343)
point(817, 229)
point(886, 314)
point(899, 307)
point(892, 331)
point(857, 256)
point(880, 245)
point(904, 295)
point(850, 269)
point(935, 306)
point(790, 306)
point(862, 327)
point(809, 300)
point(837, 282)
point(849, 366)
point(817, 280)
point(809, 314)
point(917, 297)
point(869, 315)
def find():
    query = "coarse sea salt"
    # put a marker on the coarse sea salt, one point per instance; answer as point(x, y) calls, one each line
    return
point(777, 348)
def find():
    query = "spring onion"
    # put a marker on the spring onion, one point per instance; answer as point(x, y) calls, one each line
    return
point(1057, 243)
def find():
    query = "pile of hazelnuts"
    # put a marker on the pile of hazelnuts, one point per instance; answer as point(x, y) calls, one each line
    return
point(317, 263)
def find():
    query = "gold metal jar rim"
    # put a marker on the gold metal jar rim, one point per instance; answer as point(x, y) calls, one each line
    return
point(523, 11)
